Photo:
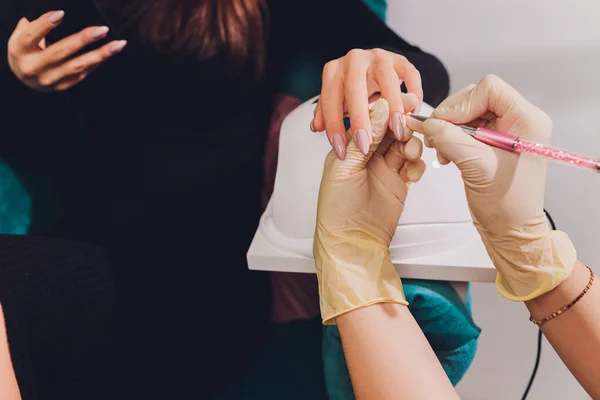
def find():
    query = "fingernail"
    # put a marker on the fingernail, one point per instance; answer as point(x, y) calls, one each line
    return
point(398, 125)
point(312, 125)
point(362, 141)
point(56, 16)
point(339, 146)
point(117, 46)
point(99, 32)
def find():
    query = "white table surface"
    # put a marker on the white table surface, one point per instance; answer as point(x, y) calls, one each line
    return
point(468, 263)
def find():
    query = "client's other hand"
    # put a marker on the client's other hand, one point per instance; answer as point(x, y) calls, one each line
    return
point(360, 202)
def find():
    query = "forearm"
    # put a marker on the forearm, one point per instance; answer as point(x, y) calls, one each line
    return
point(9, 389)
point(575, 334)
point(389, 357)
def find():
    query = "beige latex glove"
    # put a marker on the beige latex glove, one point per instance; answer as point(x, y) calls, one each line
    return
point(505, 191)
point(360, 202)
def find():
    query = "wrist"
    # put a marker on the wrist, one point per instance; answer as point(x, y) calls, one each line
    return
point(528, 268)
point(354, 273)
point(562, 294)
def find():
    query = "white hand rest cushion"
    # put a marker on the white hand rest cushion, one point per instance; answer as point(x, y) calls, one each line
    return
point(436, 216)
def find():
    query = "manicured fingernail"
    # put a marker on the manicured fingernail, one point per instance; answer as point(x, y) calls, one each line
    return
point(339, 146)
point(362, 141)
point(398, 125)
point(117, 46)
point(99, 32)
point(56, 17)
point(312, 125)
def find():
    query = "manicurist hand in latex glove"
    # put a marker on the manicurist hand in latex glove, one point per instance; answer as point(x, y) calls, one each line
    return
point(505, 192)
point(360, 202)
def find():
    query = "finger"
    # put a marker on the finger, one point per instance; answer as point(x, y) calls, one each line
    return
point(320, 125)
point(356, 96)
point(488, 116)
point(378, 117)
point(426, 142)
point(449, 140)
point(456, 96)
point(442, 160)
point(15, 45)
point(413, 171)
point(410, 75)
point(389, 84)
point(30, 35)
point(72, 44)
point(490, 94)
point(387, 141)
point(81, 64)
point(415, 125)
point(70, 81)
point(410, 101)
point(332, 96)
point(23, 22)
point(478, 123)
point(400, 152)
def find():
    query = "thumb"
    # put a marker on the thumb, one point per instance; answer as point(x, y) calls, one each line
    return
point(23, 22)
point(379, 115)
point(451, 141)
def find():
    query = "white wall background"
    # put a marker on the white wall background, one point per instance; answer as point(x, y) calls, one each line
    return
point(550, 51)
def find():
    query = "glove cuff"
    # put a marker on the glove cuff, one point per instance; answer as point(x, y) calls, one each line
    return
point(360, 274)
point(529, 267)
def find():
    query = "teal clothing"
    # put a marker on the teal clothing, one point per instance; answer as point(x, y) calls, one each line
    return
point(441, 314)
point(15, 203)
point(379, 7)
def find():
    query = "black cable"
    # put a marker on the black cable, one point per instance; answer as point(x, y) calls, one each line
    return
point(552, 224)
point(539, 339)
point(536, 365)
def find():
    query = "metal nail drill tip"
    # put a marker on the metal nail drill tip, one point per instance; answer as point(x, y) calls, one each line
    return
point(468, 129)
point(418, 117)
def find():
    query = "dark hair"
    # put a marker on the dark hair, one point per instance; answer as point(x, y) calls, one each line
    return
point(201, 28)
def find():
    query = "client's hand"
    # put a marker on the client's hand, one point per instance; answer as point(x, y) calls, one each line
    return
point(54, 68)
point(348, 83)
point(505, 191)
point(360, 202)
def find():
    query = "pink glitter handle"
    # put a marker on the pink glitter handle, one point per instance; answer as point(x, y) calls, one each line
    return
point(525, 146)
point(514, 143)
point(497, 139)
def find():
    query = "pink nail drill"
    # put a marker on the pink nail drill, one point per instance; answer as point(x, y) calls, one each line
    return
point(515, 144)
